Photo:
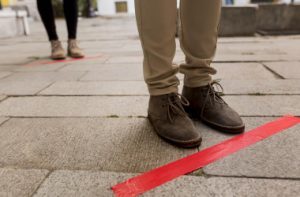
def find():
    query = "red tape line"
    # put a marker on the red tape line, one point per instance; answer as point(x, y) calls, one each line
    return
point(161, 175)
point(63, 61)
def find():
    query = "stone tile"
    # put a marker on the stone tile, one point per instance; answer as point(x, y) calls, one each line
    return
point(114, 72)
point(104, 68)
point(80, 183)
point(4, 74)
point(126, 59)
point(254, 87)
point(231, 87)
point(87, 106)
point(2, 97)
point(256, 51)
point(267, 158)
point(3, 119)
point(17, 182)
point(238, 71)
point(44, 76)
point(22, 87)
point(39, 67)
point(74, 106)
point(97, 88)
point(242, 71)
point(289, 70)
point(265, 105)
point(111, 144)
point(8, 67)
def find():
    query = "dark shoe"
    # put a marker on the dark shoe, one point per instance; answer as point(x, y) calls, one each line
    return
point(167, 116)
point(207, 105)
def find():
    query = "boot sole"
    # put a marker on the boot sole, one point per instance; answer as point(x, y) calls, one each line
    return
point(75, 56)
point(192, 144)
point(59, 58)
point(224, 129)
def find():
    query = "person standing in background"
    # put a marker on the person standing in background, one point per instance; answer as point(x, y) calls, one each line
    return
point(169, 112)
point(71, 14)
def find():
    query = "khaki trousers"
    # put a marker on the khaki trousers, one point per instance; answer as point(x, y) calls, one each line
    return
point(156, 20)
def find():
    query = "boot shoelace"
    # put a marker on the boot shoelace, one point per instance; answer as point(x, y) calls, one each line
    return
point(213, 95)
point(175, 103)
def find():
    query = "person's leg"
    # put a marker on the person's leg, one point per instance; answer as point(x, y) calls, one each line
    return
point(47, 15)
point(156, 20)
point(199, 22)
point(199, 32)
point(71, 15)
point(46, 12)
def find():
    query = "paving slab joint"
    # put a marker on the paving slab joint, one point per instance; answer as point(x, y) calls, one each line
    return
point(38, 92)
point(277, 75)
point(7, 119)
point(249, 177)
point(39, 186)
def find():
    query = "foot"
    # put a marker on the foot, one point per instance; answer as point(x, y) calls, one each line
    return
point(207, 105)
point(73, 50)
point(169, 120)
point(57, 51)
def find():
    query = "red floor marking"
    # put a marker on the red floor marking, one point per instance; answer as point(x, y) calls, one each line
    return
point(62, 61)
point(161, 175)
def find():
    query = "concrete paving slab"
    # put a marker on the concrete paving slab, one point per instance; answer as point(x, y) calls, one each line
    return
point(3, 119)
point(111, 144)
point(126, 59)
point(289, 70)
point(242, 71)
point(18, 182)
point(44, 76)
point(22, 87)
point(39, 67)
point(8, 67)
point(80, 183)
point(2, 97)
point(74, 106)
point(267, 158)
point(265, 105)
point(134, 72)
point(260, 86)
point(88, 106)
point(115, 72)
point(104, 68)
point(112, 88)
point(97, 88)
point(4, 74)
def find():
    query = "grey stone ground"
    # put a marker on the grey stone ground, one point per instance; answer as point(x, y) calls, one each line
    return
point(77, 128)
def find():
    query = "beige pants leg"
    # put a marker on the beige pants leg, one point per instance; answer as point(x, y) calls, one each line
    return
point(156, 21)
point(199, 22)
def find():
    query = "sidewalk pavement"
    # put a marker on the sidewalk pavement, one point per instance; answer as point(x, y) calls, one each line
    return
point(76, 128)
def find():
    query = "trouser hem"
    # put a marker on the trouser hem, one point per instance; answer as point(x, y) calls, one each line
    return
point(195, 84)
point(158, 92)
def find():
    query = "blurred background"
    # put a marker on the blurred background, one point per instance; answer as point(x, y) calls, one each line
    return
point(240, 17)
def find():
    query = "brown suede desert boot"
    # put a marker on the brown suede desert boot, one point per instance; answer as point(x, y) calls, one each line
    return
point(207, 105)
point(169, 120)
point(57, 51)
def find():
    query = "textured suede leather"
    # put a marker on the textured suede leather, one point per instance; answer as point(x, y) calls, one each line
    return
point(73, 50)
point(170, 121)
point(57, 51)
point(207, 105)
